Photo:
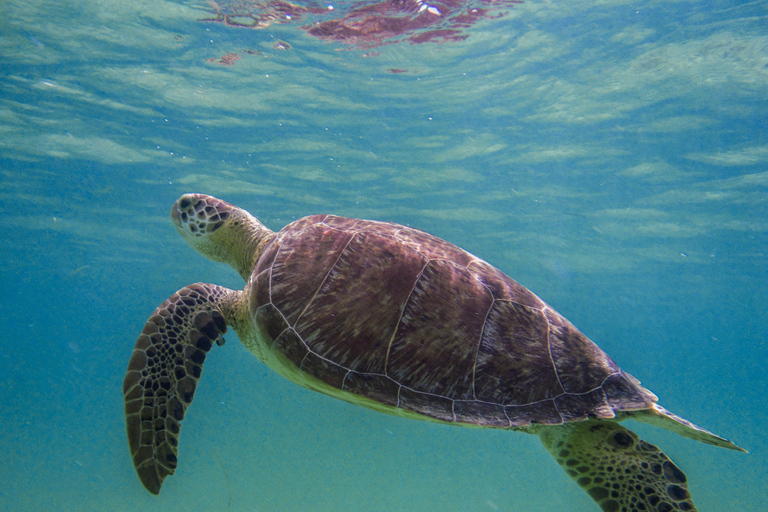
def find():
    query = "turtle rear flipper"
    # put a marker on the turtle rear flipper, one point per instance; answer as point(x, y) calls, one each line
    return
point(616, 468)
point(163, 373)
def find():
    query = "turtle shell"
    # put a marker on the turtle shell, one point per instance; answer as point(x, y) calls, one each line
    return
point(406, 319)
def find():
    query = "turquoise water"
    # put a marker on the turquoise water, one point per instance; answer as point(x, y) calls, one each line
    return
point(611, 156)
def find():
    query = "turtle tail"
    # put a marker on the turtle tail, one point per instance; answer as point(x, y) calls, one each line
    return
point(163, 373)
point(660, 417)
point(616, 468)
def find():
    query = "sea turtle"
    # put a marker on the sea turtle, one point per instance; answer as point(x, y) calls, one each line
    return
point(395, 319)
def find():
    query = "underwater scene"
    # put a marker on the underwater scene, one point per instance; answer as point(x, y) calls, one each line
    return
point(610, 156)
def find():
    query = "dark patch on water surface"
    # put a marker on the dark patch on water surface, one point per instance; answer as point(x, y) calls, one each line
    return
point(369, 23)
point(244, 14)
point(226, 59)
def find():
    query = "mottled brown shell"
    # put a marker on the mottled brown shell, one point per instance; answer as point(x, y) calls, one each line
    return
point(409, 320)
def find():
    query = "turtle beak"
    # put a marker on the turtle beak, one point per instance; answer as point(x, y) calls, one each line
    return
point(182, 203)
point(175, 215)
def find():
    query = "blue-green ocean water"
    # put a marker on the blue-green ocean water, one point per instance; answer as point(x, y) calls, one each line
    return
point(612, 156)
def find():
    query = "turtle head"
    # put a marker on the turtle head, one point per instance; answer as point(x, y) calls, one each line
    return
point(220, 231)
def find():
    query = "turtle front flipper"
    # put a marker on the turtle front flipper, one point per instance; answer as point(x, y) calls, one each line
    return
point(616, 468)
point(163, 372)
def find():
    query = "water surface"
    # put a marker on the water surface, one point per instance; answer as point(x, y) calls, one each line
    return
point(611, 156)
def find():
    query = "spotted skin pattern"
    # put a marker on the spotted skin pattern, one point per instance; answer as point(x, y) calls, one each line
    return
point(395, 319)
point(200, 219)
point(618, 470)
point(163, 373)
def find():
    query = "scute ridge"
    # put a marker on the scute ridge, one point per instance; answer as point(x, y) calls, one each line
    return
point(479, 342)
point(327, 274)
point(549, 348)
point(400, 317)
